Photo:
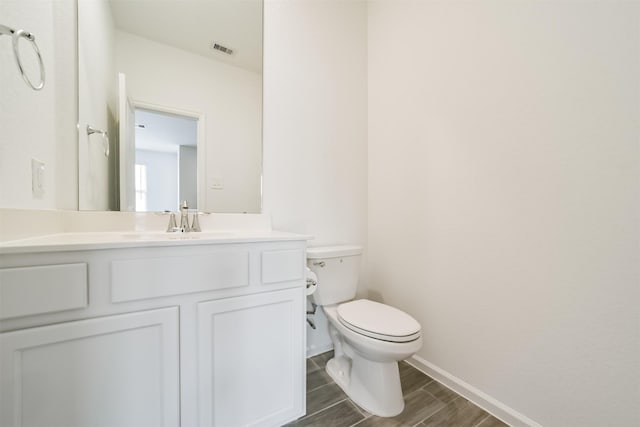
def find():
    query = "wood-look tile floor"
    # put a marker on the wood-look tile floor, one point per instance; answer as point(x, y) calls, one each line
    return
point(427, 403)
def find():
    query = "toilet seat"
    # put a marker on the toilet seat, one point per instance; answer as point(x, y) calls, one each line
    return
point(378, 321)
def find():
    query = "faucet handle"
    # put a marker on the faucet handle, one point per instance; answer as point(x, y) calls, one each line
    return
point(172, 223)
point(195, 225)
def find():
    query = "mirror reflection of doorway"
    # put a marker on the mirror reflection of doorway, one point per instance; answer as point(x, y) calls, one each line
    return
point(165, 161)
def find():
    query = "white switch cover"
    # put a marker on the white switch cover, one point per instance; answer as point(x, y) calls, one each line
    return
point(217, 184)
point(37, 177)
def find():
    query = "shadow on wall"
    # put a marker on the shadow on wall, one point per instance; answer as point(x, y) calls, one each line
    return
point(375, 296)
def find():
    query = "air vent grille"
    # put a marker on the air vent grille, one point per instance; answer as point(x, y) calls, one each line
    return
point(223, 49)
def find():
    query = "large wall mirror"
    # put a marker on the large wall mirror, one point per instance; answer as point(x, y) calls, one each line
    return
point(170, 105)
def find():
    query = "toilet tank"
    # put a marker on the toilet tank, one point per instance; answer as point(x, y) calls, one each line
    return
point(337, 268)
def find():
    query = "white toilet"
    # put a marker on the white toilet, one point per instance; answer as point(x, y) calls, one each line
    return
point(369, 338)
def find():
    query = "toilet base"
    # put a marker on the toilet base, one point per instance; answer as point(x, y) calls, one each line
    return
point(374, 386)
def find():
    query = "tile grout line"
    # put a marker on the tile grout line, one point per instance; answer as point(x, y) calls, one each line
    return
point(433, 395)
point(430, 394)
point(360, 410)
point(420, 422)
point(483, 420)
point(365, 417)
point(314, 364)
point(457, 395)
point(321, 410)
point(359, 422)
point(319, 387)
point(445, 405)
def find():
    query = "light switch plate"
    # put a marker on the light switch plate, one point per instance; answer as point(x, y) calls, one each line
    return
point(37, 177)
point(217, 184)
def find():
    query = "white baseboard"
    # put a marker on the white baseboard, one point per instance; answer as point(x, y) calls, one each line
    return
point(469, 392)
point(314, 350)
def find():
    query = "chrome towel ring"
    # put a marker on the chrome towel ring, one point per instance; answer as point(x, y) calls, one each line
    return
point(16, 35)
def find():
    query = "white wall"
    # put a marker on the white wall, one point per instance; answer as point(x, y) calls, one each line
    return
point(315, 136)
point(66, 108)
point(97, 80)
point(38, 124)
point(230, 99)
point(503, 197)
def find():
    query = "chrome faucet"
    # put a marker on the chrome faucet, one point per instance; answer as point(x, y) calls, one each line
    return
point(184, 217)
point(184, 221)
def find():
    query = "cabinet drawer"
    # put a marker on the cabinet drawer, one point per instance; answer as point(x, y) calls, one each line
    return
point(42, 289)
point(135, 279)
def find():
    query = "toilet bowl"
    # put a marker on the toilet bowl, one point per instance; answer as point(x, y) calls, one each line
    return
point(369, 338)
point(366, 368)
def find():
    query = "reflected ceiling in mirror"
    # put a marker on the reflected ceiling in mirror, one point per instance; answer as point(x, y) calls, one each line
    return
point(196, 25)
point(159, 56)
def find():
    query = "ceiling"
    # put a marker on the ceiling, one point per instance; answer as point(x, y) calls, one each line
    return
point(194, 25)
point(164, 132)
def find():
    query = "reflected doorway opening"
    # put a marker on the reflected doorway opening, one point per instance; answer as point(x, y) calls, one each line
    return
point(166, 166)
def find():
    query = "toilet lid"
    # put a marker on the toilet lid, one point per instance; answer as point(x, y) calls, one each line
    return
point(378, 321)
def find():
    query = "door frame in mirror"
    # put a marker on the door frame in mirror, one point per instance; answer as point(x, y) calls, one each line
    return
point(200, 145)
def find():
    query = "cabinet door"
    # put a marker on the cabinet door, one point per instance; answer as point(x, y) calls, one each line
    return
point(110, 371)
point(251, 359)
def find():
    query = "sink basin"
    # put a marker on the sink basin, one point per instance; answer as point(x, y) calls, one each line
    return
point(143, 235)
point(125, 239)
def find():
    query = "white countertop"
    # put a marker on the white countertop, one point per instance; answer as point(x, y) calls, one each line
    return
point(133, 239)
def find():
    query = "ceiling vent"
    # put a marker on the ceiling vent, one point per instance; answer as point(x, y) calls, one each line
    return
point(223, 49)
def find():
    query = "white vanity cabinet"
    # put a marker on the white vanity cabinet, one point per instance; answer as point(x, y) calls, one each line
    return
point(189, 335)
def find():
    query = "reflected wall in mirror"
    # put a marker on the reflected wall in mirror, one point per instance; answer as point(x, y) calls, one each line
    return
point(165, 160)
point(136, 57)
